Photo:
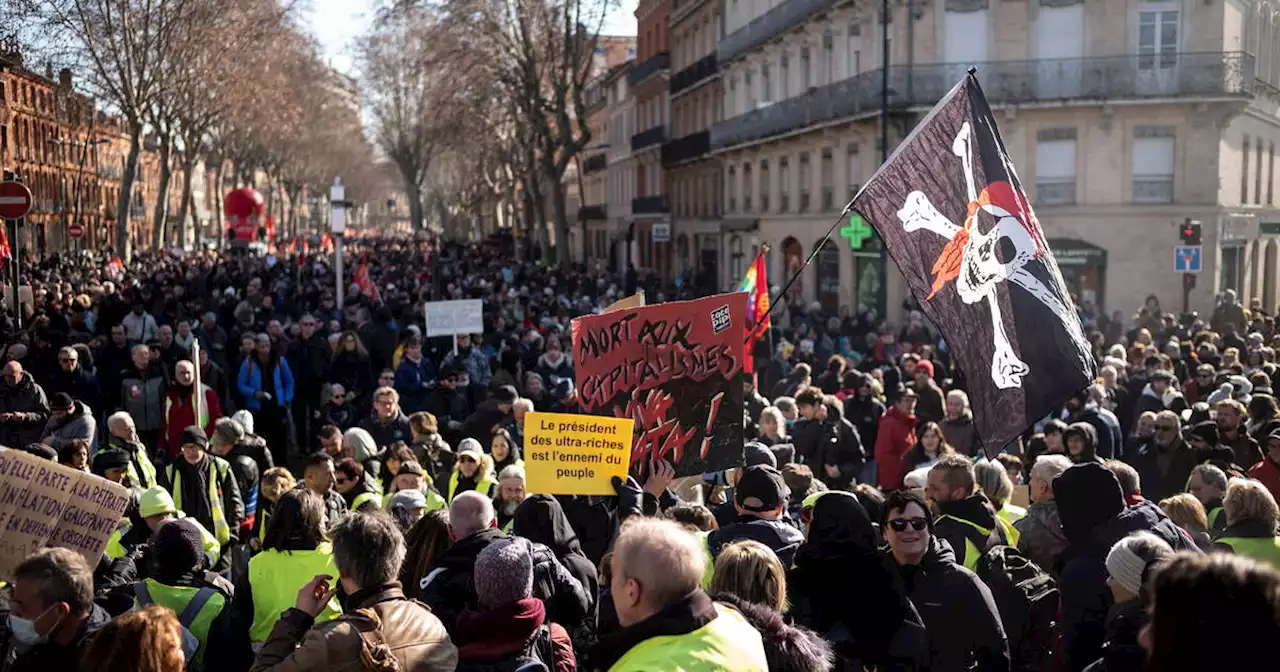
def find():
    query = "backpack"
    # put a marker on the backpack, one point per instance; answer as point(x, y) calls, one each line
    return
point(190, 644)
point(538, 656)
point(1027, 598)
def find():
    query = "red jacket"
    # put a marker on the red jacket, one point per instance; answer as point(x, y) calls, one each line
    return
point(498, 634)
point(896, 436)
point(1267, 473)
point(179, 415)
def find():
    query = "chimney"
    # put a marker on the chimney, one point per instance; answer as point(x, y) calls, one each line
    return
point(64, 79)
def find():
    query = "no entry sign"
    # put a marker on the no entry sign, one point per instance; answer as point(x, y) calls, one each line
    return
point(15, 200)
point(75, 229)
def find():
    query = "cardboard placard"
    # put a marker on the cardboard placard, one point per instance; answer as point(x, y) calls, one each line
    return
point(568, 454)
point(43, 503)
point(1021, 496)
point(674, 369)
point(634, 301)
point(448, 318)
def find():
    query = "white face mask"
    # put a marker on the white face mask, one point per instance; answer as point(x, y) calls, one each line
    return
point(24, 630)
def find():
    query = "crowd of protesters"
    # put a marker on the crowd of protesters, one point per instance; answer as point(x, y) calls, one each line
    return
point(324, 488)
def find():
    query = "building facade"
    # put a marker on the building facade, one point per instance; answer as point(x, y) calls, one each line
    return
point(649, 76)
point(593, 216)
point(693, 174)
point(620, 171)
point(1124, 118)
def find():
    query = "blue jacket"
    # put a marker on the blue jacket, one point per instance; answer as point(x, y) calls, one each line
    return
point(249, 382)
point(409, 380)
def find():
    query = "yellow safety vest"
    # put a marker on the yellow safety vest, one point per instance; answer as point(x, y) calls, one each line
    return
point(143, 481)
point(1262, 549)
point(1012, 514)
point(1214, 514)
point(483, 485)
point(116, 550)
point(275, 577)
point(971, 550)
point(728, 643)
point(363, 497)
point(177, 598)
point(218, 469)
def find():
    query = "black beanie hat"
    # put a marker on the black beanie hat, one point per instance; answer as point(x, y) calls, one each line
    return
point(177, 548)
point(1088, 495)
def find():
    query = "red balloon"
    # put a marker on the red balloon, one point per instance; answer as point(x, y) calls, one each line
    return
point(243, 208)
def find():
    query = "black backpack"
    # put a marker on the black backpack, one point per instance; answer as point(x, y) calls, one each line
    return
point(538, 656)
point(1028, 600)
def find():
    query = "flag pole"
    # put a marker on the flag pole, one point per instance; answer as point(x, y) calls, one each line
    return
point(773, 300)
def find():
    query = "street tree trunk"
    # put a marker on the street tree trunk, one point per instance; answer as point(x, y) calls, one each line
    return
point(124, 202)
point(184, 206)
point(417, 214)
point(161, 211)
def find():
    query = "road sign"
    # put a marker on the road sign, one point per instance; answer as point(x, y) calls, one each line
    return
point(857, 232)
point(1187, 259)
point(75, 230)
point(15, 200)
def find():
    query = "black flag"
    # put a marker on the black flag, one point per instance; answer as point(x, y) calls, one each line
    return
point(952, 213)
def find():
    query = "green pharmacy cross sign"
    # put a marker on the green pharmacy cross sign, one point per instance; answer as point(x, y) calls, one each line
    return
point(857, 231)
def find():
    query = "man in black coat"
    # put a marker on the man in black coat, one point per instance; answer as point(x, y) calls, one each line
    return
point(450, 588)
point(76, 382)
point(227, 440)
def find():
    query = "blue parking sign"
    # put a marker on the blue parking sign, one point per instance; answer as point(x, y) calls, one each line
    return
point(1186, 259)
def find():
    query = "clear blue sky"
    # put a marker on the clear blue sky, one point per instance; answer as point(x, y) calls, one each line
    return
point(335, 23)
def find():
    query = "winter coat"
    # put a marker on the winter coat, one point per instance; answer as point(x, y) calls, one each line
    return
point(541, 520)
point(387, 432)
point(1121, 651)
point(244, 467)
point(78, 424)
point(975, 509)
point(865, 415)
point(840, 446)
point(79, 385)
point(411, 635)
point(309, 362)
point(30, 409)
point(479, 425)
point(930, 403)
point(195, 492)
point(959, 613)
point(352, 372)
point(1246, 449)
point(1267, 473)
point(250, 381)
point(781, 537)
point(180, 413)
point(1109, 440)
point(435, 455)
point(838, 566)
point(506, 632)
point(142, 394)
point(51, 656)
point(450, 587)
point(1158, 484)
point(409, 383)
point(342, 416)
point(1040, 535)
point(786, 647)
point(475, 363)
point(1082, 578)
point(896, 435)
point(961, 434)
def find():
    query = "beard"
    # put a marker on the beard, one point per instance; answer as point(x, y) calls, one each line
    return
point(508, 508)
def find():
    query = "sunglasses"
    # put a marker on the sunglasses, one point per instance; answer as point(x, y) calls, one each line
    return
point(900, 524)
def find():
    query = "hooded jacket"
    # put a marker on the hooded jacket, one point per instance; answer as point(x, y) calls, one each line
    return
point(838, 566)
point(30, 407)
point(788, 648)
point(865, 414)
point(541, 519)
point(1087, 435)
point(78, 424)
point(450, 587)
point(781, 537)
point(503, 633)
point(245, 470)
point(952, 524)
point(1094, 517)
point(1108, 439)
point(958, 610)
point(896, 435)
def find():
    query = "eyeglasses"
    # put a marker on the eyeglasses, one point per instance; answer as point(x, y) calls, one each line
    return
point(1166, 428)
point(900, 524)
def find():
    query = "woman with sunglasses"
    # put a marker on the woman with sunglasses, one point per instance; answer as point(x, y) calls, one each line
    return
point(959, 613)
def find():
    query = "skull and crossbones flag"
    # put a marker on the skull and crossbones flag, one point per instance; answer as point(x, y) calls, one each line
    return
point(954, 218)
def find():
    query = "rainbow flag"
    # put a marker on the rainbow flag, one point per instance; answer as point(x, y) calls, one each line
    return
point(756, 284)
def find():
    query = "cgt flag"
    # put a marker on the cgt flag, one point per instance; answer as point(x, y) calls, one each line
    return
point(954, 218)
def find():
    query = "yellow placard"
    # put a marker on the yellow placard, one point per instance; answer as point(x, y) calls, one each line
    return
point(569, 454)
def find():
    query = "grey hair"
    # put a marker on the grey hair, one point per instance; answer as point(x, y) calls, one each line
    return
point(667, 561)
point(122, 417)
point(368, 549)
point(228, 431)
point(511, 471)
point(262, 338)
point(62, 575)
point(469, 513)
point(785, 404)
point(994, 481)
point(1050, 467)
point(1211, 475)
point(526, 404)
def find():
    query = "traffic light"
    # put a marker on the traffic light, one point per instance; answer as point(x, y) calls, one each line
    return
point(1190, 233)
point(1188, 282)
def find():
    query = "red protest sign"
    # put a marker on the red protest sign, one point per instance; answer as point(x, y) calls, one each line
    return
point(673, 368)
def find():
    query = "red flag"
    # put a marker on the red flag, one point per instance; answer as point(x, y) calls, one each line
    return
point(364, 282)
point(756, 284)
point(5, 252)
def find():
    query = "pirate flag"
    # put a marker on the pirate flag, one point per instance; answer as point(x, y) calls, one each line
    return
point(954, 218)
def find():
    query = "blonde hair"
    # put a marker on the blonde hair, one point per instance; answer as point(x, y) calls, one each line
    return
point(1186, 512)
point(750, 570)
point(276, 481)
point(1249, 500)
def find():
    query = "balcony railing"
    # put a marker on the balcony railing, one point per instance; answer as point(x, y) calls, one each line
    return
point(590, 212)
point(652, 65)
point(649, 205)
point(775, 22)
point(689, 147)
point(1194, 75)
point(704, 68)
point(594, 164)
point(653, 136)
